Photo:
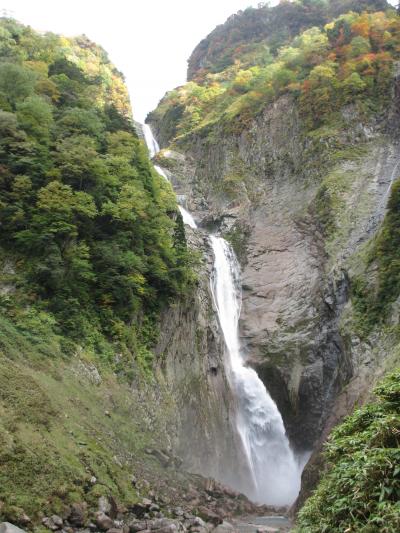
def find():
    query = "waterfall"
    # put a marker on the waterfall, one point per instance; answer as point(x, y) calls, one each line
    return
point(187, 217)
point(154, 148)
point(152, 144)
point(161, 172)
point(275, 472)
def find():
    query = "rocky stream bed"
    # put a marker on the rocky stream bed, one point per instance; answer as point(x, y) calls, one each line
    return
point(208, 506)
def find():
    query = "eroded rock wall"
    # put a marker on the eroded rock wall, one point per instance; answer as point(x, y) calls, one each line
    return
point(191, 352)
point(264, 190)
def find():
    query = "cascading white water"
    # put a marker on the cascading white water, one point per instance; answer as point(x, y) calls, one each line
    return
point(152, 144)
point(154, 148)
point(187, 217)
point(161, 172)
point(274, 470)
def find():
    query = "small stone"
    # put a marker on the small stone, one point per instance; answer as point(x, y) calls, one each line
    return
point(93, 480)
point(210, 516)
point(57, 520)
point(103, 521)
point(53, 523)
point(196, 521)
point(48, 522)
point(24, 519)
point(77, 516)
point(225, 527)
point(104, 505)
point(107, 413)
point(137, 525)
point(171, 528)
point(159, 523)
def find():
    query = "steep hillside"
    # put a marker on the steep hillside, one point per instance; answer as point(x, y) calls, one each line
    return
point(93, 229)
point(109, 358)
point(363, 460)
point(273, 27)
point(293, 153)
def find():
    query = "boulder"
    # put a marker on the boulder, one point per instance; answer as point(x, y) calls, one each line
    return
point(210, 516)
point(7, 527)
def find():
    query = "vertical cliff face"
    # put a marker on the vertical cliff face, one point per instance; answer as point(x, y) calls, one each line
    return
point(191, 352)
point(298, 210)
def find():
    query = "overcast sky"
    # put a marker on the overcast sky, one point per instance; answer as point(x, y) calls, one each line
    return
point(149, 41)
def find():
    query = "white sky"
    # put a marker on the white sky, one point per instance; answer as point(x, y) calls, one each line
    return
point(149, 41)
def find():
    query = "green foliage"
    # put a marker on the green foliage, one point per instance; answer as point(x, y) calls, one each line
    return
point(238, 238)
point(361, 489)
point(91, 225)
point(16, 82)
point(372, 300)
point(35, 117)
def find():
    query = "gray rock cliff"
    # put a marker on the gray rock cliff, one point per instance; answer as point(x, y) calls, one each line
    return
point(264, 190)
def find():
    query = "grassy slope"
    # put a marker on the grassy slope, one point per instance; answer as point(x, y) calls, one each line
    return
point(58, 428)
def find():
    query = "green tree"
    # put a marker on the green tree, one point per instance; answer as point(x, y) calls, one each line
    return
point(35, 116)
point(16, 82)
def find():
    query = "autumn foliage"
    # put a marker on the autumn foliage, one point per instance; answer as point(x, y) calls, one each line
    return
point(346, 61)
